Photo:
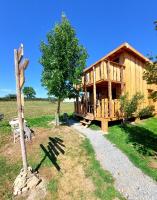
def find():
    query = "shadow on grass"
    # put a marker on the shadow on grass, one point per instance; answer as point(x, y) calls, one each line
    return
point(55, 146)
point(144, 140)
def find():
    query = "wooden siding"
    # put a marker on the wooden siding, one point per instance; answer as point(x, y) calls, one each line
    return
point(133, 78)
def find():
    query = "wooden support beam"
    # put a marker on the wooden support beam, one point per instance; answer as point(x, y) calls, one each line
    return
point(102, 108)
point(104, 126)
point(109, 89)
point(94, 90)
point(85, 95)
point(122, 80)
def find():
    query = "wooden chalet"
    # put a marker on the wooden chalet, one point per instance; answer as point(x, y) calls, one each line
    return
point(103, 83)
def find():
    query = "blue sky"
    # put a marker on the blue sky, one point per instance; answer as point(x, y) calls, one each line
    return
point(100, 25)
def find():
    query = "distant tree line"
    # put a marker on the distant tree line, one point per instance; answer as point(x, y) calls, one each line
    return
point(29, 95)
point(12, 97)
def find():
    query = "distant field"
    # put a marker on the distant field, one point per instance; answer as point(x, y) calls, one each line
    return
point(33, 108)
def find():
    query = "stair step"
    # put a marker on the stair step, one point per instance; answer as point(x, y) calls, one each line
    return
point(89, 117)
point(85, 122)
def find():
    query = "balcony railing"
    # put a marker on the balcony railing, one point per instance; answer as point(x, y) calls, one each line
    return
point(105, 70)
point(102, 109)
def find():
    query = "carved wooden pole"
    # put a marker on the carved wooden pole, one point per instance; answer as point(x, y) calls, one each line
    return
point(19, 73)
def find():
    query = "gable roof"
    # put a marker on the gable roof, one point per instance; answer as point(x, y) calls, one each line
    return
point(123, 47)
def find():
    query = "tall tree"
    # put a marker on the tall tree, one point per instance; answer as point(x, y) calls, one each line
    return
point(63, 60)
point(150, 74)
point(29, 92)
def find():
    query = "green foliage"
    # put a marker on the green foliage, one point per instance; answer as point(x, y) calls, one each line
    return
point(150, 73)
point(63, 60)
point(147, 111)
point(10, 96)
point(95, 127)
point(129, 106)
point(29, 92)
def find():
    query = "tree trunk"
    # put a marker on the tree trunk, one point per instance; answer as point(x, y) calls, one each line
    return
point(58, 113)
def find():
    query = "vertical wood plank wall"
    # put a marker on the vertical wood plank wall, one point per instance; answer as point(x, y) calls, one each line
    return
point(133, 77)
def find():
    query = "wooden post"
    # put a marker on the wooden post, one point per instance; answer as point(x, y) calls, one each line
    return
point(94, 90)
point(104, 125)
point(85, 95)
point(109, 89)
point(102, 108)
point(122, 80)
point(19, 74)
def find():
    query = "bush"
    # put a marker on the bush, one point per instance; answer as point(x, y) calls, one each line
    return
point(129, 106)
point(148, 111)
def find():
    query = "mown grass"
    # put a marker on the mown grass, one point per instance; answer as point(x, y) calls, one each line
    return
point(53, 187)
point(138, 142)
point(5, 132)
point(102, 179)
point(8, 173)
point(94, 127)
point(42, 121)
point(33, 109)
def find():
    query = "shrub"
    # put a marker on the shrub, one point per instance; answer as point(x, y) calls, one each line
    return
point(147, 111)
point(129, 106)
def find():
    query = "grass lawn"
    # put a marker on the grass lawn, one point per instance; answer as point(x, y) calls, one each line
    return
point(63, 158)
point(33, 108)
point(139, 143)
point(42, 111)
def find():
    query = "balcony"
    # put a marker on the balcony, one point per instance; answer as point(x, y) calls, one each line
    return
point(102, 109)
point(104, 71)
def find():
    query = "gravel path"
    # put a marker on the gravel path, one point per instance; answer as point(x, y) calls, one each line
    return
point(130, 181)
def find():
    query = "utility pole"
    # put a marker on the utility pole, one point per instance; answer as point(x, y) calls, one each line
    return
point(20, 66)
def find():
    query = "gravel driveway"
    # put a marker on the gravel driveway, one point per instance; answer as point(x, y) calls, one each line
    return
point(130, 181)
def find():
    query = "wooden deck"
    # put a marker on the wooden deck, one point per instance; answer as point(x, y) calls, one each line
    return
point(102, 110)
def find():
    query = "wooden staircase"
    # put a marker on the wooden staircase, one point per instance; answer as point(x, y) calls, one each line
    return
point(87, 119)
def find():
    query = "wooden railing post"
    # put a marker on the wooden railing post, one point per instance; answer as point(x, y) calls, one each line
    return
point(122, 80)
point(102, 108)
point(106, 108)
point(109, 89)
point(94, 90)
point(85, 95)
